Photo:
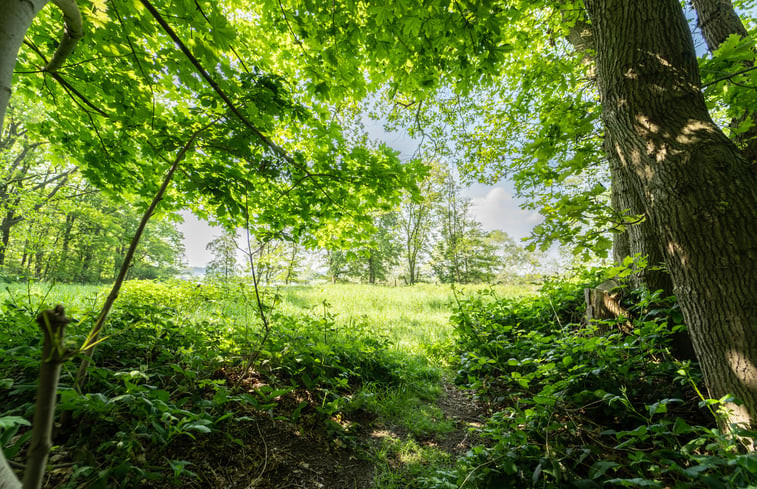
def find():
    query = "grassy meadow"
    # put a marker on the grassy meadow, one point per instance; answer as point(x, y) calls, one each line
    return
point(193, 358)
point(413, 317)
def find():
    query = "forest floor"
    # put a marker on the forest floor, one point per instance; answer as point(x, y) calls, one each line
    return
point(353, 388)
point(275, 454)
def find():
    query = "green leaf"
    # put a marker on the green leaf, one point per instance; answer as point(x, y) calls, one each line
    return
point(12, 421)
point(599, 468)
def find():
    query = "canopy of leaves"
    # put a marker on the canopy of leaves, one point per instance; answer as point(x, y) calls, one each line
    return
point(149, 77)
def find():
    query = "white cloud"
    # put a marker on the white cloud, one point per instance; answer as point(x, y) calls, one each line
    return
point(498, 209)
point(197, 235)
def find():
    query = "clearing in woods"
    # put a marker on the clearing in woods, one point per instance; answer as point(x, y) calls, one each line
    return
point(351, 388)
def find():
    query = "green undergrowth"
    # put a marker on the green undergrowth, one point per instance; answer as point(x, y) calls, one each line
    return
point(587, 406)
point(188, 369)
point(182, 364)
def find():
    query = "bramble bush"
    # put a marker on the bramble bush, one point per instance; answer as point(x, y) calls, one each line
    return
point(572, 407)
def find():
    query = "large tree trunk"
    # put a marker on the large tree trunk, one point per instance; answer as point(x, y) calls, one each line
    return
point(718, 20)
point(698, 191)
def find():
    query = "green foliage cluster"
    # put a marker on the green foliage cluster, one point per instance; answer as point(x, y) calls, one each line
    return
point(81, 234)
point(575, 407)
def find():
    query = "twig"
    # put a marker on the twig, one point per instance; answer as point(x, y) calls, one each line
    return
point(265, 459)
point(470, 474)
point(255, 282)
point(555, 313)
point(729, 76)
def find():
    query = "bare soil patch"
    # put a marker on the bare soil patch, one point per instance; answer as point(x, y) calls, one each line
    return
point(468, 414)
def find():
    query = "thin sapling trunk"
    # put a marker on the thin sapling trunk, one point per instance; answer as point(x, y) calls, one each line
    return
point(53, 325)
point(94, 335)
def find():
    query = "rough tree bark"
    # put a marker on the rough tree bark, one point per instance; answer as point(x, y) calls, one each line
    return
point(698, 190)
point(718, 20)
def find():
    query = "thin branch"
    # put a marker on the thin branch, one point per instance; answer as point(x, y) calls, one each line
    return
point(255, 282)
point(70, 90)
point(92, 337)
point(236, 54)
point(204, 73)
point(289, 26)
point(728, 77)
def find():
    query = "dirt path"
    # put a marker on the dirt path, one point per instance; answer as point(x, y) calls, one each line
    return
point(271, 454)
point(459, 405)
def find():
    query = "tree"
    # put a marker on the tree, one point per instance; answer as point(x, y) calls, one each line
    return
point(514, 261)
point(699, 191)
point(337, 264)
point(143, 104)
point(379, 253)
point(416, 221)
point(462, 254)
point(78, 235)
point(26, 183)
point(224, 262)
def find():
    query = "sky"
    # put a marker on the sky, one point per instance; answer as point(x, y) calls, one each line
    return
point(494, 206)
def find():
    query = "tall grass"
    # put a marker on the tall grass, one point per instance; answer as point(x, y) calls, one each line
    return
point(35, 296)
point(415, 318)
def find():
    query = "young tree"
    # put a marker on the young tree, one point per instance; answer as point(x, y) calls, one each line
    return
point(416, 219)
point(463, 253)
point(224, 262)
point(152, 104)
point(373, 259)
point(337, 263)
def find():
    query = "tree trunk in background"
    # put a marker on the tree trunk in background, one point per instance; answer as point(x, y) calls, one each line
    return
point(699, 192)
point(39, 257)
point(63, 260)
point(5, 236)
point(718, 20)
point(641, 236)
point(411, 270)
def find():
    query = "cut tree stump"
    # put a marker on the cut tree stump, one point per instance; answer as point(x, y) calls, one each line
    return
point(602, 304)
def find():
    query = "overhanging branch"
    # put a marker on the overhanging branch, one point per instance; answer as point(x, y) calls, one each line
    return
point(72, 32)
point(206, 75)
